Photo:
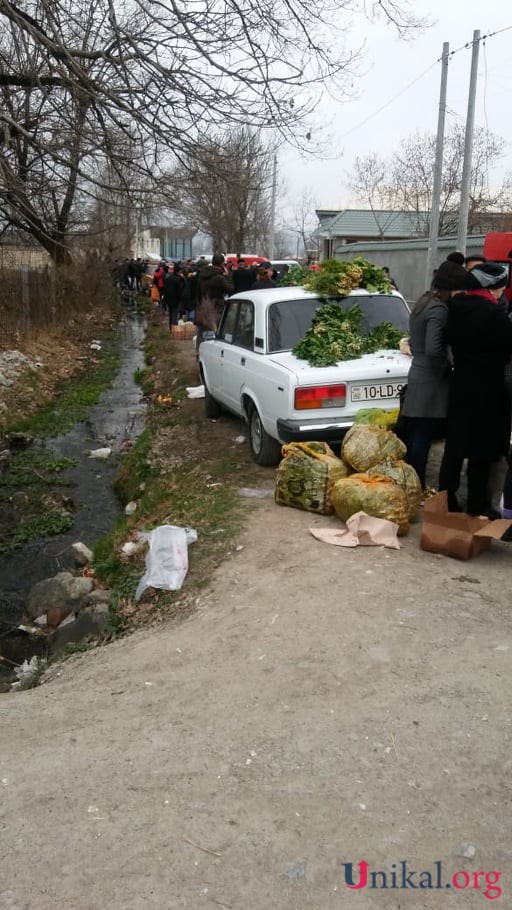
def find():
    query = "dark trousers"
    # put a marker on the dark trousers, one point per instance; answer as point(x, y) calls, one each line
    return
point(478, 480)
point(418, 433)
point(507, 487)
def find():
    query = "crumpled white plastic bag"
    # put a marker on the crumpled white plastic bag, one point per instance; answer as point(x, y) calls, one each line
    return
point(166, 559)
point(195, 391)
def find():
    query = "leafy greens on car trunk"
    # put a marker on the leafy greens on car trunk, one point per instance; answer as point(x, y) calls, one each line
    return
point(336, 334)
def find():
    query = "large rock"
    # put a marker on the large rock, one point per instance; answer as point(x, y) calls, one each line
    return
point(64, 591)
point(12, 363)
point(83, 555)
point(97, 602)
point(85, 627)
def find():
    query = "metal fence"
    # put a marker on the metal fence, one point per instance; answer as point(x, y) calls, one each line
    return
point(35, 296)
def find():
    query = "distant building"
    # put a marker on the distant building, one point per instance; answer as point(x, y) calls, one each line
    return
point(337, 228)
point(163, 236)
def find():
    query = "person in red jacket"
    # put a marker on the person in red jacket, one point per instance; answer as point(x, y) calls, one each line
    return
point(159, 277)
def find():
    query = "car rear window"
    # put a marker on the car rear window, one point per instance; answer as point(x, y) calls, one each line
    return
point(289, 320)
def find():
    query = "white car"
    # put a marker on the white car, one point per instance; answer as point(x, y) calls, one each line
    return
point(249, 369)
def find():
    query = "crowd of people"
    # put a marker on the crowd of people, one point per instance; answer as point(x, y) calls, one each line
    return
point(457, 390)
point(128, 273)
point(196, 290)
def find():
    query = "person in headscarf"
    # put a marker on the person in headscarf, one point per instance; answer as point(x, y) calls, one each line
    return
point(478, 419)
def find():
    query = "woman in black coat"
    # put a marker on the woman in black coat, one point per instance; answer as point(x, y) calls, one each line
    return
point(423, 413)
point(174, 288)
point(478, 421)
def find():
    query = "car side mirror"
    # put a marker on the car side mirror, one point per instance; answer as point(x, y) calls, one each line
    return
point(208, 336)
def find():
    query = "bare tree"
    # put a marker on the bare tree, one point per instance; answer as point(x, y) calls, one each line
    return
point(304, 223)
point(369, 182)
point(225, 186)
point(75, 74)
point(404, 182)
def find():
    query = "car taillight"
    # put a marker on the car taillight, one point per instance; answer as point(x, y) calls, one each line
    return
point(320, 396)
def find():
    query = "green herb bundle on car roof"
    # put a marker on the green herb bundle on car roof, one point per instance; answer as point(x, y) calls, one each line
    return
point(336, 334)
point(336, 277)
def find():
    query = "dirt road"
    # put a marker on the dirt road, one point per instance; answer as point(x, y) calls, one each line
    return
point(322, 707)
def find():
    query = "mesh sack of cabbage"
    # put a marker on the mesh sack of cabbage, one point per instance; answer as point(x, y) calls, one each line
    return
point(377, 417)
point(365, 446)
point(306, 475)
point(378, 496)
point(404, 476)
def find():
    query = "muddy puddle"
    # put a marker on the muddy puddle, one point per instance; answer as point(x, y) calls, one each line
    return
point(113, 423)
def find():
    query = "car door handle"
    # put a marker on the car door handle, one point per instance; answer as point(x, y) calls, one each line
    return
point(242, 361)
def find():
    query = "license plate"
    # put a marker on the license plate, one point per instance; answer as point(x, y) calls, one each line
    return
point(375, 392)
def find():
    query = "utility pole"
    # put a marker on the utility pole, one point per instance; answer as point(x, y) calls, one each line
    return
point(271, 242)
point(468, 148)
point(438, 170)
point(136, 252)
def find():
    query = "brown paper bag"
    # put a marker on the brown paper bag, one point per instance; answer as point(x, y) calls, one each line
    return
point(455, 533)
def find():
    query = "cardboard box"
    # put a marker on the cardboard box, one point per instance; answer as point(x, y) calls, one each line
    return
point(455, 533)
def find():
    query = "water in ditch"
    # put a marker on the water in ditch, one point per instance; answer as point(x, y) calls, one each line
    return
point(114, 423)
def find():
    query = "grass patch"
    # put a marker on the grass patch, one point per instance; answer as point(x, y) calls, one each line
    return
point(186, 498)
point(117, 573)
point(32, 505)
point(75, 396)
point(144, 379)
point(33, 379)
point(135, 469)
point(47, 524)
point(115, 622)
point(25, 513)
point(34, 468)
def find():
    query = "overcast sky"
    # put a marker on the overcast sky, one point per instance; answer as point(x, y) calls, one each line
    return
point(388, 66)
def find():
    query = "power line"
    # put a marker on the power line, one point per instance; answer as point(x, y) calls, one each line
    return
point(468, 44)
point(399, 94)
point(391, 100)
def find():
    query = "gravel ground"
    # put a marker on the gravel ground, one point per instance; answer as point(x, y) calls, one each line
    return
point(322, 706)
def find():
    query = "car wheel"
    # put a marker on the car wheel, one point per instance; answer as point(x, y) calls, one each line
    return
point(211, 405)
point(265, 450)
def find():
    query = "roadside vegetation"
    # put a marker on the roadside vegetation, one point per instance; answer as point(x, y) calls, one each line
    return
point(183, 470)
point(73, 397)
point(35, 490)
